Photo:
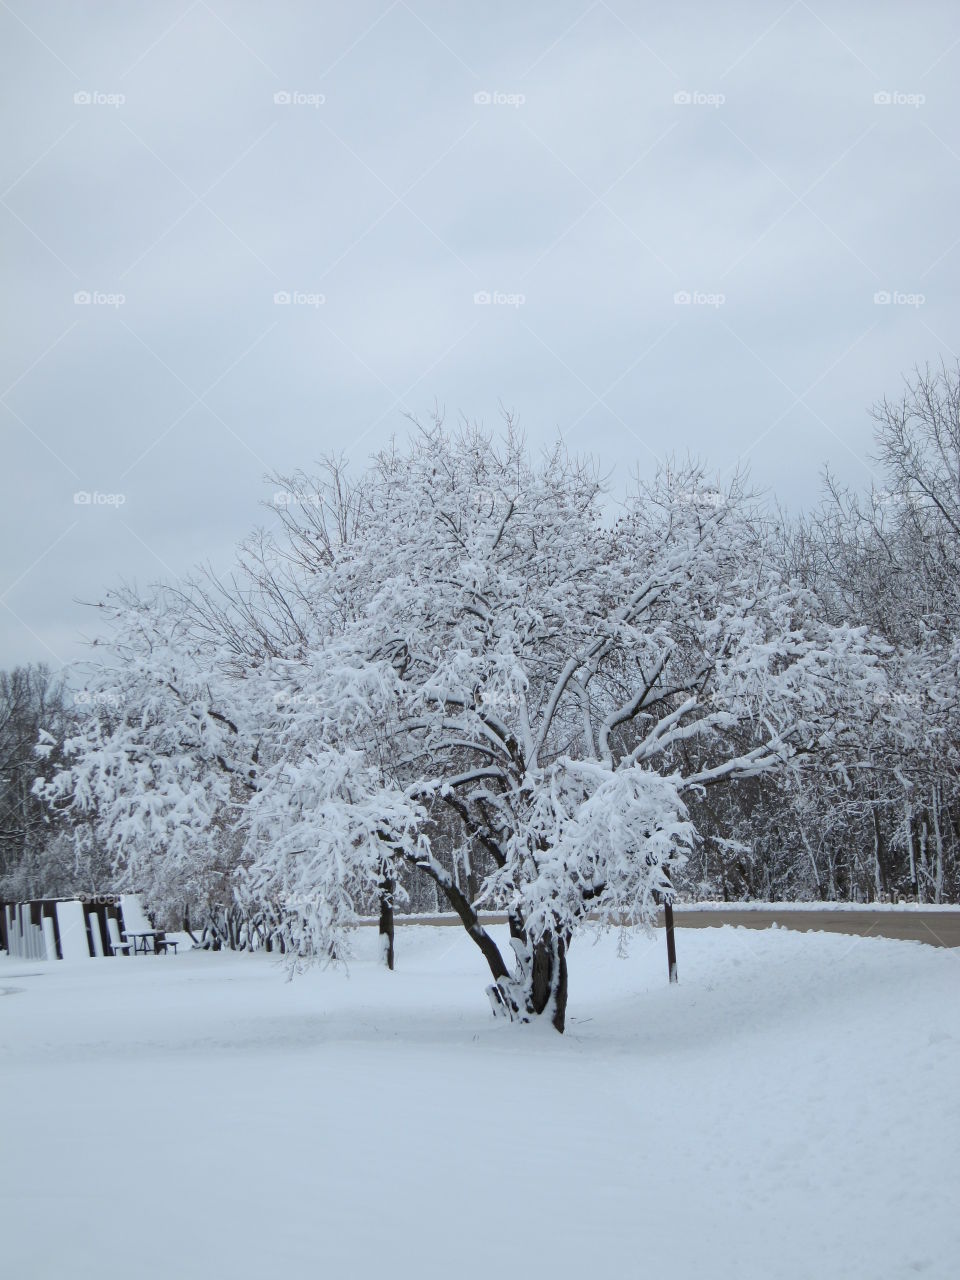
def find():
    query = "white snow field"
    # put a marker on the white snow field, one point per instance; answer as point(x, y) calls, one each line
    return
point(791, 1109)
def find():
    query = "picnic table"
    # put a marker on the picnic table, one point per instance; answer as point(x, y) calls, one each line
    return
point(146, 941)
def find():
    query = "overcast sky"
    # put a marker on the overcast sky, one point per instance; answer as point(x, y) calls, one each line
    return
point(586, 166)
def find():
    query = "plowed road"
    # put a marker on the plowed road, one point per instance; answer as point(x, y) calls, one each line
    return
point(938, 928)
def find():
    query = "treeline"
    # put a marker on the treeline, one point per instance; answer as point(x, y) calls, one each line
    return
point(38, 853)
point(882, 823)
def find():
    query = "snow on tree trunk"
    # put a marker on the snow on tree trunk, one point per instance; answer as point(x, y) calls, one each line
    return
point(539, 986)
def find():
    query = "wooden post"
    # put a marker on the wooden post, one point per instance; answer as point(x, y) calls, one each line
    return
point(671, 939)
point(387, 888)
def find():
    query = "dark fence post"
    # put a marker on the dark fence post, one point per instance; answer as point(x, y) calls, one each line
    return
point(671, 939)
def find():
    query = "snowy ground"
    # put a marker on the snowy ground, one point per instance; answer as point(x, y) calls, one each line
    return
point(790, 1110)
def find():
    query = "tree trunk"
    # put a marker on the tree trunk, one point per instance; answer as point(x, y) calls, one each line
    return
point(539, 982)
point(938, 838)
point(880, 888)
point(548, 987)
point(539, 986)
point(387, 887)
point(911, 848)
point(186, 924)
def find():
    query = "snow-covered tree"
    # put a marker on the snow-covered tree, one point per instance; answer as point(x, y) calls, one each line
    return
point(35, 850)
point(563, 683)
point(466, 630)
point(161, 764)
point(890, 560)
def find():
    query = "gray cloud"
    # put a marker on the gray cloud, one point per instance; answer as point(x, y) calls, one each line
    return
point(623, 158)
